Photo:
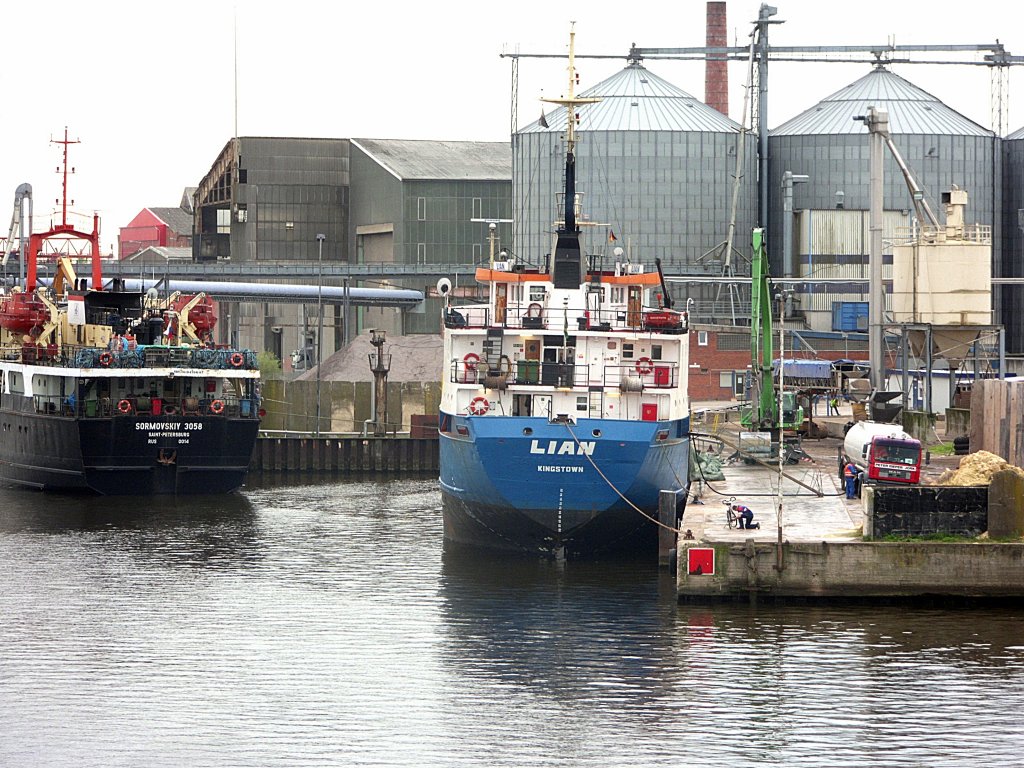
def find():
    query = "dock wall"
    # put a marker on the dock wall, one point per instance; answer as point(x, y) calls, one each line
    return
point(852, 570)
point(341, 455)
point(345, 406)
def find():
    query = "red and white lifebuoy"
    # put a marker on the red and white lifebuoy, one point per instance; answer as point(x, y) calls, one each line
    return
point(644, 366)
point(124, 406)
point(217, 407)
point(478, 406)
point(237, 359)
point(471, 361)
point(106, 359)
point(534, 310)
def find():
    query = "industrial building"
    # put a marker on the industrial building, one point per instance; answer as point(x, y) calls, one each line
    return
point(280, 201)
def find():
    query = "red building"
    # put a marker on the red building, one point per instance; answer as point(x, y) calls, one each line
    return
point(720, 357)
point(169, 227)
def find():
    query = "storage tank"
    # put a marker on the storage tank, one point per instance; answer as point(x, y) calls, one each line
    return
point(655, 167)
point(942, 277)
point(942, 148)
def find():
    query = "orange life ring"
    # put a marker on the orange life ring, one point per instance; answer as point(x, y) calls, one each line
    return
point(478, 406)
point(217, 407)
point(644, 366)
point(106, 359)
point(237, 359)
point(471, 360)
point(534, 310)
point(124, 406)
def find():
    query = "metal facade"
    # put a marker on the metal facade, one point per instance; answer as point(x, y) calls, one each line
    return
point(291, 190)
point(655, 168)
point(941, 147)
point(1013, 241)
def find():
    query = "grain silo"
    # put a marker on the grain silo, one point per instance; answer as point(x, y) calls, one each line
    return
point(655, 167)
point(942, 148)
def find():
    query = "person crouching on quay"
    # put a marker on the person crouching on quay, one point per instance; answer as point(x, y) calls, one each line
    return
point(746, 517)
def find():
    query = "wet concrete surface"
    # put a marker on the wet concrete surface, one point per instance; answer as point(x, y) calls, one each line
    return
point(813, 501)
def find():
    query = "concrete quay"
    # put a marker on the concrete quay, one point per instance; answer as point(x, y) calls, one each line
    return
point(822, 555)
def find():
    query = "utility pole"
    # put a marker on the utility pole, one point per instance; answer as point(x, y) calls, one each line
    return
point(877, 122)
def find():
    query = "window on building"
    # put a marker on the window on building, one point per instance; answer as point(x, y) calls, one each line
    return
point(478, 253)
point(725, 379)
point(421, 253)
point(421, 209)
point(702, 338)
point(478, 207)
point(223, 221)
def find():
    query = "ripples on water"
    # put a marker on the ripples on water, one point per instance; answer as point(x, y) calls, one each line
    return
point(325, 624)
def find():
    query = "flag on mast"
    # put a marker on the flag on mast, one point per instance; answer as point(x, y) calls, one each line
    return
point(611, 236)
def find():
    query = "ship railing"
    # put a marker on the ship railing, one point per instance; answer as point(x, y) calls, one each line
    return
point(642, 374)
point(149, 405)
point(536, 315)
point(140, 356)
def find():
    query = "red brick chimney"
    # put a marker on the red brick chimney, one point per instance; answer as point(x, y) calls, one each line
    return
point(716, 75)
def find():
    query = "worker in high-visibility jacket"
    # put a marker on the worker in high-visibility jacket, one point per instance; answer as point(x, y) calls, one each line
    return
point(850, 475)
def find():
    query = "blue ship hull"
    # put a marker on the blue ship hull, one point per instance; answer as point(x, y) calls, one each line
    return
point(530, 486)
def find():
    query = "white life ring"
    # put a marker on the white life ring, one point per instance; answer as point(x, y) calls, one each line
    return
point(644, 366)
point(478, 406)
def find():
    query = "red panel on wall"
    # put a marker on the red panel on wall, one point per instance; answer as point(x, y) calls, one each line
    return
point(700, 561)
point(649, 411)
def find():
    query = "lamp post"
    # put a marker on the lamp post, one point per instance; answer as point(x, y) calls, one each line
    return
point(319, 322)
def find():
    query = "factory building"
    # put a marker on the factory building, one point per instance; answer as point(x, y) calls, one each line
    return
point(1011, 297)
point(265, 200)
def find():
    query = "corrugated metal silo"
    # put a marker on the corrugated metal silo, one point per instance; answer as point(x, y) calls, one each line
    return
point(942, 148)
point(655, 166)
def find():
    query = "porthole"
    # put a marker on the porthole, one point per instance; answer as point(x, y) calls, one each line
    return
point(596, 433)
point(527, 431)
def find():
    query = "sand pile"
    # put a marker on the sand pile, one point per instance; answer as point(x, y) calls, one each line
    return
point(976, 469)
point(414, 358)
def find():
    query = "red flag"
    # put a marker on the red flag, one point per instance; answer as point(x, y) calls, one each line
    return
point(611, 237)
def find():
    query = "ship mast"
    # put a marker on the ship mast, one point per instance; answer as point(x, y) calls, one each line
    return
point(65, 231)
point(569, 269)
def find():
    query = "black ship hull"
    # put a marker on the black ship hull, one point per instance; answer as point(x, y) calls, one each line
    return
point(615, 532)
point(127, 455)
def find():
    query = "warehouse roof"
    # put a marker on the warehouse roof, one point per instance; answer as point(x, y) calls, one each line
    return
point(441, 160)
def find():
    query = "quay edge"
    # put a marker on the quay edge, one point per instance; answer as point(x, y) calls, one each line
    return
point(853, 570)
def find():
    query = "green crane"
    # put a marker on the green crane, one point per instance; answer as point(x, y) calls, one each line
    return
point(763, 412)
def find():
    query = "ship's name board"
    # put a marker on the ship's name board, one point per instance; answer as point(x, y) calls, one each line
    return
point(562, 447)
point(174, 430)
